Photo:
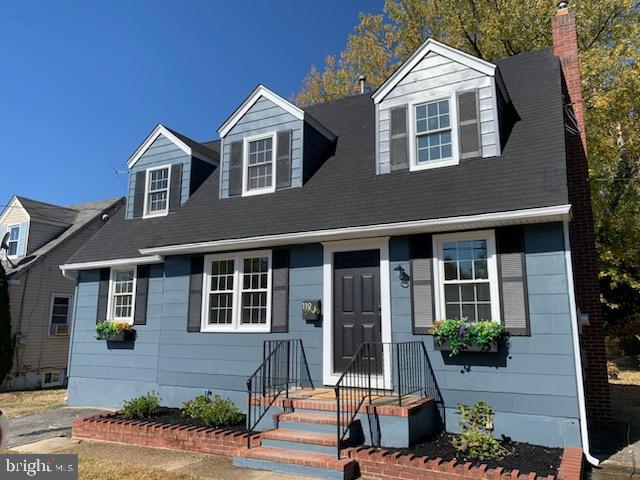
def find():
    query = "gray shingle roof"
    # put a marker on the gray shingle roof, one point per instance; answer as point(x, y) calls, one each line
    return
point(201, 148)
point(345, 191)
point(47, 211)
point(82, 213)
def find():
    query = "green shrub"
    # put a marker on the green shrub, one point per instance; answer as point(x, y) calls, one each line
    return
point(461, 334)
point(141, 407)
point(106, 327)
point(476, 440)
point(219, 412)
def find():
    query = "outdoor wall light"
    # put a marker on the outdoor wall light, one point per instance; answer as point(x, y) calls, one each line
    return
point(402, 275)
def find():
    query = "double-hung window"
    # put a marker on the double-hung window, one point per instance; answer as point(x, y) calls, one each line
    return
point(259, 164)
point(237, 292)
point(434, 139)
point(466, 277)
point(157, 194)
point(122, 294)
point(14, 239)
point(59, 321)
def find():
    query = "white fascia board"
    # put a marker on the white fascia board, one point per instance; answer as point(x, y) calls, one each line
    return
point(431, 45)
point(111, 263)
point(260, 91)
point(13, 203)
point(486, 220)
point(162, 130)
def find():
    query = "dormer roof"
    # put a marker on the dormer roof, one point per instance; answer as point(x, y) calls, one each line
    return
point(431, 45)
point(184, 143)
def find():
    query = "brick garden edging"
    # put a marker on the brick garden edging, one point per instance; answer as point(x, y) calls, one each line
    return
point(380, 464)
point(153, 434)
point(374, 463)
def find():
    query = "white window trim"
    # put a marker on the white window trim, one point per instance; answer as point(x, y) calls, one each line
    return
point(69, 312)
point(236, 325)
point(414, 166)
point(111, 291)
point(492, 265)
point(160, 213)
point(245, 164)
point(9, 227)
point(60, 381)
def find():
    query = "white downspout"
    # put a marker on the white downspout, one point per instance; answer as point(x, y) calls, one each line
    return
point(584, 432)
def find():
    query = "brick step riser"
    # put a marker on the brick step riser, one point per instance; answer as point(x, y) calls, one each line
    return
point(300, 447)
point(299, 470)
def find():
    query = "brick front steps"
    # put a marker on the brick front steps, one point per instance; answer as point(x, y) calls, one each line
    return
point(370, 463)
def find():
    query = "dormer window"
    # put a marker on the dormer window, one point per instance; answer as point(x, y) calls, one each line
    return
point(157, 193)
point(433, 131)
point(14, 238)
point(259, 161)
point(434, 138)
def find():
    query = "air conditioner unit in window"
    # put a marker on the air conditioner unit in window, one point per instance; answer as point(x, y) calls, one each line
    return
point(60, 330)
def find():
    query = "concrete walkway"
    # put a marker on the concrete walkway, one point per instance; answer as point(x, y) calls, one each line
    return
point(200, 465)
point(52, 423)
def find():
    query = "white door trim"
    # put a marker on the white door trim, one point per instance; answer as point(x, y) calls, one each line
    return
point(381, 244)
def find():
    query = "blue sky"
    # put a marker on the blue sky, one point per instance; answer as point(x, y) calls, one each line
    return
point(82, 83)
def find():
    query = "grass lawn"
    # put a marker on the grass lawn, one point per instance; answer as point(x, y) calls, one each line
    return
point(92, 469)
point(15, 404)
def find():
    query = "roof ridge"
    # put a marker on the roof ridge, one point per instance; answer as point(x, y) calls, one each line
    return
point(22, 197)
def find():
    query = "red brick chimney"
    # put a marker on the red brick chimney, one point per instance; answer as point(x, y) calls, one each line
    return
point(581, 229)
point(565, 47)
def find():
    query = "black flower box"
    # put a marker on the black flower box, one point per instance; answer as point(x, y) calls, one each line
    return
point(473, 347)
point(122, 336)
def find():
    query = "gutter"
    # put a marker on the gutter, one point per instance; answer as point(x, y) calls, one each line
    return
point(577, 354)
point(72, 267)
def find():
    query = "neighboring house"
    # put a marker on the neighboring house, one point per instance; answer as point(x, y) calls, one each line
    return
point(456, 189)
point(41, 236)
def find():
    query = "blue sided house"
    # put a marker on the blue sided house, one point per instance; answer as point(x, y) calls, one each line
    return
point(300, 262)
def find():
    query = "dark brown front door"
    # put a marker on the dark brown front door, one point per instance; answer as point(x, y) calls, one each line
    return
point(356, 305)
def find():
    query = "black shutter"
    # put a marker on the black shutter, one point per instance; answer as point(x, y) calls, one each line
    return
point(142, 290)
point(513, 279)
point(235, 169)
point(280, 291)
point(103, 294)
point(138, 194)
point(195, 294)
point(283, 159)
point(422, 293)
point(469, 124)
point(398, 140)
point(175, 189)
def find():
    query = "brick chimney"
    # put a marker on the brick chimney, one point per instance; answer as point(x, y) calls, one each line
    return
point(581, 229)
point(565, 47)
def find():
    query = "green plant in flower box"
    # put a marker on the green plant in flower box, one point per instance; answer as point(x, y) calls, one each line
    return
point(460, 334)
point(105, 328)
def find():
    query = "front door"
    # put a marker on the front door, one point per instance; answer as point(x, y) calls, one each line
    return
point(356, 306)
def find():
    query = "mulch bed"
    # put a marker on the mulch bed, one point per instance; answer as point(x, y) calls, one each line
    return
point(174, 416)
point(522, 456)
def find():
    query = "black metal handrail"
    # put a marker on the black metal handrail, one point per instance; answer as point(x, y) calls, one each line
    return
point(368, 377)
point(284, 366)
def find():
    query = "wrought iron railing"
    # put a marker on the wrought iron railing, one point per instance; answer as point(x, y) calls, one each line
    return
point(383, 373)
point(284, 367)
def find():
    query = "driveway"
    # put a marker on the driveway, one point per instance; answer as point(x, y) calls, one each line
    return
point(52, 423)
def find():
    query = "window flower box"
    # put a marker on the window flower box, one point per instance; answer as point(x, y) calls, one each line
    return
point(445, 346)
point(456, 336)
point(115, 331)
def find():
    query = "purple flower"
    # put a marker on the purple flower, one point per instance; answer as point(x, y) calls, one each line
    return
point(461, 330)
